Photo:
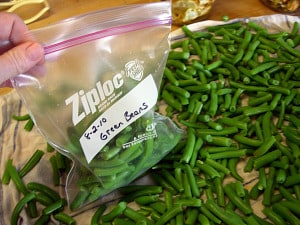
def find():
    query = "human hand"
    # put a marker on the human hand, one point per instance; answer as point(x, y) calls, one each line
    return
point(19, 50)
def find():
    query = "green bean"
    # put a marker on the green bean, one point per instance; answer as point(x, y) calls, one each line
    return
point(259, 79)
point(102, 172)
point(294, 148)
point(267, 195)
point(232, 164)
point(192, 202)
point(221, 141)
point(215, 125)
point(256, 110)
point(186, 186)
point(218, 166)
point(203, 219)
point(286, 193)
point(251, 49)
point(140, 190)
point(228, 218)
point(6, 175)
point(266, 158)
point(15, 177)
point(64, 218)
point(233, 25)
point(257, 101)
point(285, 213)
point(249, 165)
point(254, 192)
point(58, 205)
point(281, 176)
point(198, 145)
point(192, 181)
point(275, 101)
point(196, 111)
point(20, 205)
point(207, 169)
point(147, 199)
point(249, 88)
point(122, 221)
point(246, 209)
point(171, 213)
point(251, 220)
point(43, 199)
point(292, 180)
point(116, 211)
point(191, 216)
point(277, 89)
point(262, 179)
point(282, 164)
point(188, 150)
point(228, 154)
point(247, 141)
point(266, 125)
point(171, 100)
point(239, 188)
point(274, 217)
point(44, 219)
point(235, 99)
point(265, 147)
point(291, 134)
point(206, 212)
point(170, 76)
point(178, 90)
point(177, 64)
point(292, 206)
point(175, 55)
point(262, 67)
point(56, 174)
point(38, 187)
point(225, 131)
point(79, 199)
point(21, 117)
point(290, 49)
point(29, 125)
point(293, 119)
point(219, 191)
point(135, 216)
point(168, 176)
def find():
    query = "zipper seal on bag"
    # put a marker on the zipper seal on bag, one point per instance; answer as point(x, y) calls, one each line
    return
point(105, 33)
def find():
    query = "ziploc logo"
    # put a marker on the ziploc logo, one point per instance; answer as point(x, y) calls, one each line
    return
point(104, 93)
point(134, 69)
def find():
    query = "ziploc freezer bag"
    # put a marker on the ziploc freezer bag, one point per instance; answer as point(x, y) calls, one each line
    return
point(95, 98)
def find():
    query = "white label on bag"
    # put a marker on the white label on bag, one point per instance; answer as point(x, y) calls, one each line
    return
point(120, 115)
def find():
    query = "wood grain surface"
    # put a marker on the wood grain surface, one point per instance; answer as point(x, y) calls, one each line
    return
point(68, 8)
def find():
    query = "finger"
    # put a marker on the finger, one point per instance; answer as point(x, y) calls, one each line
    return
point(20, 59)
point(13, 29)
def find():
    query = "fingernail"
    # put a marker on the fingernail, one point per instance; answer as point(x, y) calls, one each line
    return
point(34, 52)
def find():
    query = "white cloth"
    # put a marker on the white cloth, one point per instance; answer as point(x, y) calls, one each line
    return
point(19, 145)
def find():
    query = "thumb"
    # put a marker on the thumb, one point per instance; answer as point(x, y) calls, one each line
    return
point(20, 59)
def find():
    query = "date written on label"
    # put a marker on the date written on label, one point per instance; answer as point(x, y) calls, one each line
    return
point(94, 129)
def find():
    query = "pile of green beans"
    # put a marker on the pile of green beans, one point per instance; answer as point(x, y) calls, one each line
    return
point(40, 202)
point(235, 88)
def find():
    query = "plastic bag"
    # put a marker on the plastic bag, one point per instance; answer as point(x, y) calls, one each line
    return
point(95, 101)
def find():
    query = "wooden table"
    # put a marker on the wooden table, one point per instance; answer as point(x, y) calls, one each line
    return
point(60, 10)
point(68, 8)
